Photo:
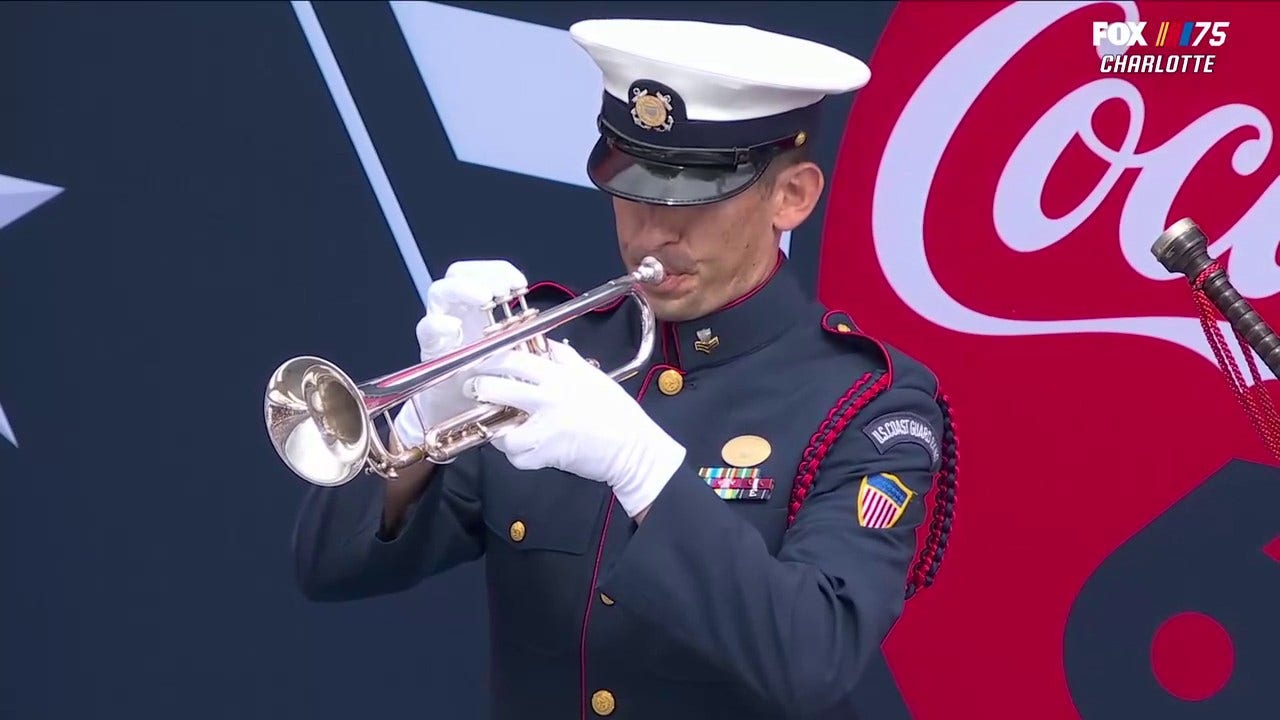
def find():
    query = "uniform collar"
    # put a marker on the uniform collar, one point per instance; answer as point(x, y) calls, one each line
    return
point(741, 327)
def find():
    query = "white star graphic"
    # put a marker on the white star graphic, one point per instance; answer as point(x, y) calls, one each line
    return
point(17, 198)
point(553, 73)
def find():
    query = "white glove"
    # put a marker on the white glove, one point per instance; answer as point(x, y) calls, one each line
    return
point(580, 421)
point(454, 317)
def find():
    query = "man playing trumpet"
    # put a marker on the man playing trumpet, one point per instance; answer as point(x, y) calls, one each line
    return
point(731, 531)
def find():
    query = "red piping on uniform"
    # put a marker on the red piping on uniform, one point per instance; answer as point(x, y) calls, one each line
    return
point(675, 338)
point(586, 616)
point(604, 533)
point(776, 267)
point(826, 320)
point(668, 340)
point(888, 361)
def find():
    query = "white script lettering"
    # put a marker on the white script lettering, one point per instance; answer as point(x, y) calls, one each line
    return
point(935, 111)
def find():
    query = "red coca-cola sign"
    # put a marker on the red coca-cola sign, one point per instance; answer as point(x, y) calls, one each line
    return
point(992, 212)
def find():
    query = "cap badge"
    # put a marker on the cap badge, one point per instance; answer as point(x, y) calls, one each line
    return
point(651, 111)
point(706, 342)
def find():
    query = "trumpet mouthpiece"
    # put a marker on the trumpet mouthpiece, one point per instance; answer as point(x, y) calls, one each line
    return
point(649, 271)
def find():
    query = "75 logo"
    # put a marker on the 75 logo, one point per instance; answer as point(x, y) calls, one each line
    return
point(1190, 34)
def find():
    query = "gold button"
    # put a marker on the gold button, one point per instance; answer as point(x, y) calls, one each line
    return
point(606, 599)
point(844, 328)
point(670, 382)
point(517, 531)
point(602, 702)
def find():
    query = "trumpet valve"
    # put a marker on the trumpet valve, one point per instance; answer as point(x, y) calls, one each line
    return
point(498, 324)
point(520, 299)
point(510, 315)
point(488, 309)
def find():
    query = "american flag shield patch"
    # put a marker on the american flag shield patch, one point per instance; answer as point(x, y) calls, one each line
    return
point(882, 498)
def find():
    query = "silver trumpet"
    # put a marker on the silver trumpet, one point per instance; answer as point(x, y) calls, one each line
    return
point(321, 423)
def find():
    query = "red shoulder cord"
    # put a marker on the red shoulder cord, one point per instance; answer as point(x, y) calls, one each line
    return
point(1255, 400)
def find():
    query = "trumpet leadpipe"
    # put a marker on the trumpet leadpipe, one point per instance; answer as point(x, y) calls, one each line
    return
point(394, 388)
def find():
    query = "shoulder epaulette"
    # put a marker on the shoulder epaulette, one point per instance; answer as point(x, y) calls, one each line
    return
point(838, 322)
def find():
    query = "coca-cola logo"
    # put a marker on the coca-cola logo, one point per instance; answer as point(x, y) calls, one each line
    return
point(1065, 139)
point(996, 197)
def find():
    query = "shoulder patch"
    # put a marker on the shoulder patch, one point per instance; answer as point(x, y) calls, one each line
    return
point(882, 500)
point(895, 428)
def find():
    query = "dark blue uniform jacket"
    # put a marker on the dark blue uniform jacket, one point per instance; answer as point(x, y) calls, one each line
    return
point(739, 601)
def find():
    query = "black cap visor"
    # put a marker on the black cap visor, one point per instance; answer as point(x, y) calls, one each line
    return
point(671, 182)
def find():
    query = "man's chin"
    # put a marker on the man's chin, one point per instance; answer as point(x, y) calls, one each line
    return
point(672, 309)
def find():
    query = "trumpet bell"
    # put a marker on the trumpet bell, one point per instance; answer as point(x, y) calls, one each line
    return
point(317, 422)
point(321, 422)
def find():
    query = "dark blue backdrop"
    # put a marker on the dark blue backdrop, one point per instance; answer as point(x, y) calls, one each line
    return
point(213, 219)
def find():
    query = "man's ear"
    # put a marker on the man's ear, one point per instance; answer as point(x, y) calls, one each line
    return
point(796, 190)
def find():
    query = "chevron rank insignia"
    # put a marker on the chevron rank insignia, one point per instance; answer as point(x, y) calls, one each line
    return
point(882, 499)
point(732, 483)
point(706, 342)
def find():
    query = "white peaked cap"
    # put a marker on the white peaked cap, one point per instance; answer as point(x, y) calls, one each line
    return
point(695, 112)
point(724, 73)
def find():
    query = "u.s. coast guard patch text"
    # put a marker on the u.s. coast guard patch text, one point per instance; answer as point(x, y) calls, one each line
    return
point(889, 430)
